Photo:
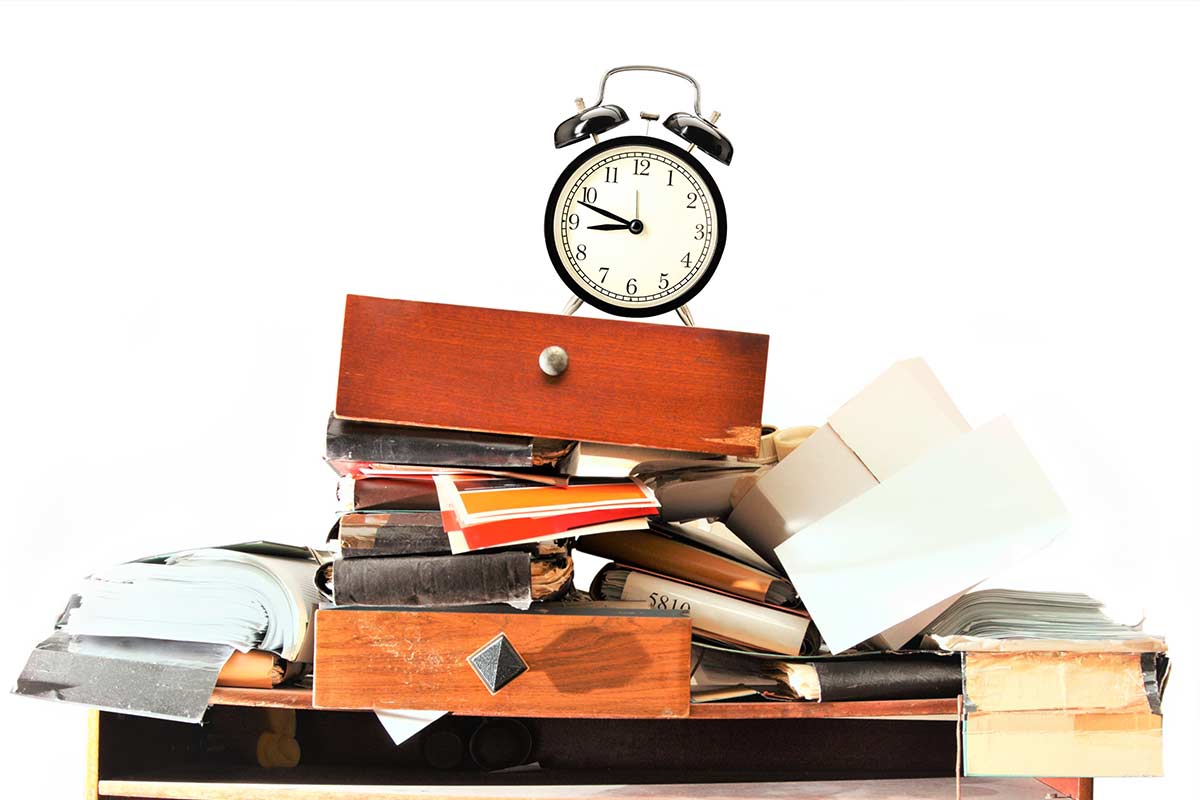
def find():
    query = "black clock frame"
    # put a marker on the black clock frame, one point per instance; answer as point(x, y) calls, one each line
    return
point(551, 226)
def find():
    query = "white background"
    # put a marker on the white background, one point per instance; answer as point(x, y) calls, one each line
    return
point(188, 191)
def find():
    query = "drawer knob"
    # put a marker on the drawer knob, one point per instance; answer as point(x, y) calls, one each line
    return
point(553, 361)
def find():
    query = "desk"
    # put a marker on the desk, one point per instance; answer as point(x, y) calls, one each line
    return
point(737, 751)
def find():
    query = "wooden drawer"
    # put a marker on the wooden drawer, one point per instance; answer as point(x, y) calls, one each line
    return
point(632, 664)
point(631, 383)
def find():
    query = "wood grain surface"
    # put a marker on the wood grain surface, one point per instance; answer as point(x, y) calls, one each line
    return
point(911, 789)
point(290, 697)
point(579, 665)
point(632, 383)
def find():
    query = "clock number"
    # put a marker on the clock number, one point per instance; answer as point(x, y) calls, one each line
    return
point(641, 166)
point(699, 232)
point(581, 252)
point(662, 280)
point(670, 175)
point(686, 260)
point(691, 200)
point(589, 194)
point(603, 273)
point(610, 175)
point(631, 287)
point(573, 221)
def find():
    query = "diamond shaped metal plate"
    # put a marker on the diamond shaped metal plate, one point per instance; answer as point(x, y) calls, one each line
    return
point(497, 663)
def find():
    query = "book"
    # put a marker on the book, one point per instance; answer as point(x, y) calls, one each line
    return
point(716, 536)
point(1099, 713)
point(861, 676)
point(1019, 620)
point(694, 489)
point(517, 577)
point(391, 533)
point(895, 676)
point(152, 637)
point(675, 558)
point(259, 596)
point(478, 518)
point(715, 614)
point(369, 494)
point(598, 460)
point(1051, 673)
point(349, 440)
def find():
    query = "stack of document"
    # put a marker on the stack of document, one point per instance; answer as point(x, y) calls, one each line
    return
point(153, 637)
point(985, 619)
point(219, 596)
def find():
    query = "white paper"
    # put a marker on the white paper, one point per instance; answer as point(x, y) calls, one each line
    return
point(937, 527)
point(404, 723)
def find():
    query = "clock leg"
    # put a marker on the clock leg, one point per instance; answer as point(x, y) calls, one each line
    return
point(572, 306)
point(686, 315)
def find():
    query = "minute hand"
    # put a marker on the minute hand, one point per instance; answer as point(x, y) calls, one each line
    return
point(608, 214)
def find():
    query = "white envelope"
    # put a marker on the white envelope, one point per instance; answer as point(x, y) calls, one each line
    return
point(964, 511)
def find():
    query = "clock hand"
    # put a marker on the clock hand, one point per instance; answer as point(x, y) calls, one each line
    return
point(608, 214)
point(608, 226)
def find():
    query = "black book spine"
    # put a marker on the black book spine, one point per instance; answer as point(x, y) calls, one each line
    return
point(392, 444)
point(431, 581)
point(895, 678)
point(398, 534)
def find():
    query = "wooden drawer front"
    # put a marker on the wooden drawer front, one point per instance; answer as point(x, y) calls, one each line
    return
point(578, 665)
point(633, 383)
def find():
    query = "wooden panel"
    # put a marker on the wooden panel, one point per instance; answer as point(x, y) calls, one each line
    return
point(633, 383)
point(291, 697)
point(918, 789)
point(580, 665)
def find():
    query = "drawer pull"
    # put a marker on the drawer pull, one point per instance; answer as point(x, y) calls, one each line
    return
point(553, 361)
point(497, 663)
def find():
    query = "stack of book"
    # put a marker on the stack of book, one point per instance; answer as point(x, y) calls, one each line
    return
point(435, 518)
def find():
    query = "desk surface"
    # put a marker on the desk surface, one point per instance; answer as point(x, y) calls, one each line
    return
point(298, 698)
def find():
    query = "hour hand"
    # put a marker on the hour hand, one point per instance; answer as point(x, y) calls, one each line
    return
point(608, 226)
point(608, 214)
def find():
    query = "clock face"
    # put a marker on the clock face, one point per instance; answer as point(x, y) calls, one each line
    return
point(635, 226)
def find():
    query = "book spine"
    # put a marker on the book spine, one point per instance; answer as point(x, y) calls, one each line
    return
point(365, 535)
point(433, 581)
point(391, 494)
point(353, 441)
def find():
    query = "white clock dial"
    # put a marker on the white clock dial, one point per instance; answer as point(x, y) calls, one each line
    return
point(635, 226)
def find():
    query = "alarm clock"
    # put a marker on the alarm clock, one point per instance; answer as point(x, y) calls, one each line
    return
point(635, 225)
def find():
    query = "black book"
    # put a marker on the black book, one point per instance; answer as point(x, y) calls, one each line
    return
point(347, 440)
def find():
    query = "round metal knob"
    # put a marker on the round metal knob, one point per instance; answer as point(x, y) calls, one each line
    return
point(553, 361)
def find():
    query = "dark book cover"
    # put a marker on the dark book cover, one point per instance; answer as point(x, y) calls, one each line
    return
point(392, 533)
point(512, 576)
point(370, 442)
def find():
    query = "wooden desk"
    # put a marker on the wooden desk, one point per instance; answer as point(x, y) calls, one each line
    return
point(740, 751)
